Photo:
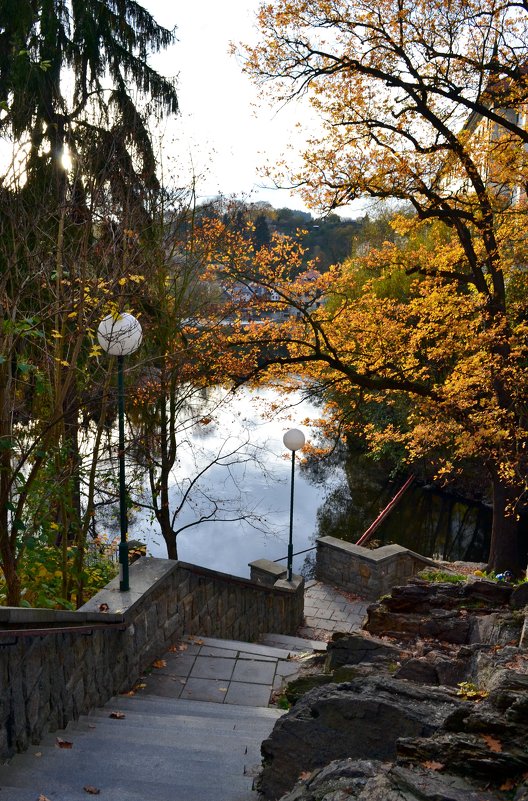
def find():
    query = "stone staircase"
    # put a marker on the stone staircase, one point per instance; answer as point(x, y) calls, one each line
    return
point(165, 742)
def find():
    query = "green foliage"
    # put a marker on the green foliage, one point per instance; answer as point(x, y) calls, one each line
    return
point(493, 576)
point(282, 702)
point(41, 572)
point(470, 692)
point(442, 576)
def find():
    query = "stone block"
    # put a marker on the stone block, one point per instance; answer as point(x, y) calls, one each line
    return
point(264, 571)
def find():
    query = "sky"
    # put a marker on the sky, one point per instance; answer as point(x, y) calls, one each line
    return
point(224, 135)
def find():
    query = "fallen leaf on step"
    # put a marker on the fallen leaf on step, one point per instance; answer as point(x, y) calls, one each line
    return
point(159, 663)
point(60, 743)
point(129, 693)
point(42, 798)
point(103, 607)
point(91, 790)
point(117, 715)
point(222, 689)
point(178, 647)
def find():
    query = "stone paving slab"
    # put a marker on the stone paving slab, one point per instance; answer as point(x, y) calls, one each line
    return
point(248, 694)
point(212, 690)
point(221, 671)
point(253, 671)
point(212, 667)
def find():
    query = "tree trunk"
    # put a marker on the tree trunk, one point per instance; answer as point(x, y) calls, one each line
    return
point(169, 535)
point(504, 547)
point(9, 563)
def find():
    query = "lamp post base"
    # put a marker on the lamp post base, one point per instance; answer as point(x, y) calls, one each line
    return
point(124, 584)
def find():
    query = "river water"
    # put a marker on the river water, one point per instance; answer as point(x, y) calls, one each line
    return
point(340, 498)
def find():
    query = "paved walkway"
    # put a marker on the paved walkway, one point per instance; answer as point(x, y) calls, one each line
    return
point(222, 671)
point(328, 609)
point(230, 672)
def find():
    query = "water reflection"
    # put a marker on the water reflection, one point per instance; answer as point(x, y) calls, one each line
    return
point(340, 497)
point(429, 522)
point(264, 486)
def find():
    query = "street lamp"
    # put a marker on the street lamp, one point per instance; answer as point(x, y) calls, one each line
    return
point(120, 335)
point(294, 440)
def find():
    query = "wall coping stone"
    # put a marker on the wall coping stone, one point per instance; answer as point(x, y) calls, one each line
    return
point(377, 555)
point(149, 571)
point(267, 566)
point(144, 575)
point(294, 584)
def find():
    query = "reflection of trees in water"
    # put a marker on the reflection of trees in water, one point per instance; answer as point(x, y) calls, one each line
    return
point(426, 520)
point(439, 525)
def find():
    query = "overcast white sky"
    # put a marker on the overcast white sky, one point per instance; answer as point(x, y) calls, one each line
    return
point(223, 133)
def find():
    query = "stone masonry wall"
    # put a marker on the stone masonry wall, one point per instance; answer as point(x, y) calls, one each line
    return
point(48, 678)
point(365, 572)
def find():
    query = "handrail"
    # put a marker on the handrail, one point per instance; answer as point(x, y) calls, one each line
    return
point(283, 558)
point(385, 512)
point(43, 632)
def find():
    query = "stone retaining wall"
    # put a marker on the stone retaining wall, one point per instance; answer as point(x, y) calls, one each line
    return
point(365, 572)
point(48, 677)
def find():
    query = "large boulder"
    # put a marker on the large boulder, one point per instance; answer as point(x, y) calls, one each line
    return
point(359, 648)
point(361, 719)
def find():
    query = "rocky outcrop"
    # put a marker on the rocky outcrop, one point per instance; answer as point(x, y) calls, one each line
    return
point(437, 708)
point(364, 718)
point(360, 780)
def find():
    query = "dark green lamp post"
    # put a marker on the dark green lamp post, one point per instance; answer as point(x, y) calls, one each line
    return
point(120, 335)
point(294, 440)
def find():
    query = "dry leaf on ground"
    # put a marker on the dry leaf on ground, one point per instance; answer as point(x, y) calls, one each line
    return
point(117, 715)
point(178, 647)
point(43, 798)
point(492, 743)
point(159, 663)
point(432, 765)
point(60, 743)
point(88, 788)
point(509, 784)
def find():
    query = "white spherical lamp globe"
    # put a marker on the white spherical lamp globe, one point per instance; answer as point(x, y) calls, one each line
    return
point(121, 335)
point(294, 439)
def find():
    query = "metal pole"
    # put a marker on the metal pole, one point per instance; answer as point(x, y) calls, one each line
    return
point(290, 541)
point(123, 521)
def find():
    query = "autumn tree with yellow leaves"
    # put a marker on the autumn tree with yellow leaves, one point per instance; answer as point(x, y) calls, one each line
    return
point(425, 103)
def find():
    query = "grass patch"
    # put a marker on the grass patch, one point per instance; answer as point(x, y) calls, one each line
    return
point(442, 577)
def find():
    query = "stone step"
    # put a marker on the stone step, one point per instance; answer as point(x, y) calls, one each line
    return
point(163, 750)
point(202, 738)
point(237, 789)
point(296, 644)
point(157, 705)
point(151, 771)
point(250, 726)
point(257, 649)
